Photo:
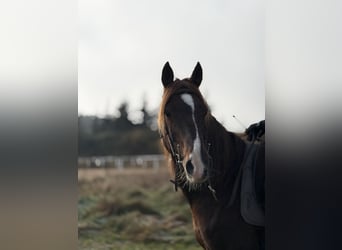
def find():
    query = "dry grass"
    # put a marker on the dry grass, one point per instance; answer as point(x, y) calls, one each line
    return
point(132, 209)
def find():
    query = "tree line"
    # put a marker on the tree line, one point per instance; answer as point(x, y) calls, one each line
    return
point(118, 135)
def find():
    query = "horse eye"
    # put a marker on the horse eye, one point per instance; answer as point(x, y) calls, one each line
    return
point(167, 114)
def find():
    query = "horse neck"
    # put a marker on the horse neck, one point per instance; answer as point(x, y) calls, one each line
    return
point(227, 151)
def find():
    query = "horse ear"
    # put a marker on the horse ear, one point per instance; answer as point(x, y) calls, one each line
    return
point(196, 77)
point(167, 75)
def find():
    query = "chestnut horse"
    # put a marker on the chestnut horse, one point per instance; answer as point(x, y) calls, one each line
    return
point(206, 161)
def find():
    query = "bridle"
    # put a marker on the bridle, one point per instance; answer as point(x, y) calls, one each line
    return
point(175, 154)
point(177, 159)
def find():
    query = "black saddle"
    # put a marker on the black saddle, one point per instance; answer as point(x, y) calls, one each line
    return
point(253, 177)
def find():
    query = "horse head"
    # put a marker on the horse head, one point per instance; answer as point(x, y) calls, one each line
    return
point(182, 122)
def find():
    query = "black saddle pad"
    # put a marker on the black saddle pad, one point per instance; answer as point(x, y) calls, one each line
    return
point(252, 202)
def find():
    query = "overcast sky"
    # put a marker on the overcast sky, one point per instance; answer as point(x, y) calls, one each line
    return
point(124, 44)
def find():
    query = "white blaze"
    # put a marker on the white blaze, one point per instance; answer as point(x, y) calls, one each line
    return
point(196, 152)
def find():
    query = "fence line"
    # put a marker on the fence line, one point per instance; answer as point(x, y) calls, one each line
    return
point(121, 162)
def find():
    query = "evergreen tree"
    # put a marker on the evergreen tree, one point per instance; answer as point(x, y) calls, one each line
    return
point(118, 135)
point(147, 116)
point(122, 123)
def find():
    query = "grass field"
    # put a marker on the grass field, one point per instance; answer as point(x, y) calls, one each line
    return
point(134, 209)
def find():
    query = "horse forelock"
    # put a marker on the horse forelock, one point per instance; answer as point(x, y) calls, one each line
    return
point(178, 87)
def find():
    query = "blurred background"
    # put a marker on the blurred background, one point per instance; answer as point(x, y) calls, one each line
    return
point(64, 61)
point(125, 198)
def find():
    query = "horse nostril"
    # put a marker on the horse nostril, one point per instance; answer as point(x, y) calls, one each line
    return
point(189, 167)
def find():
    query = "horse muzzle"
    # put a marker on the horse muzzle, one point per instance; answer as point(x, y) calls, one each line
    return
point(195, 169)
